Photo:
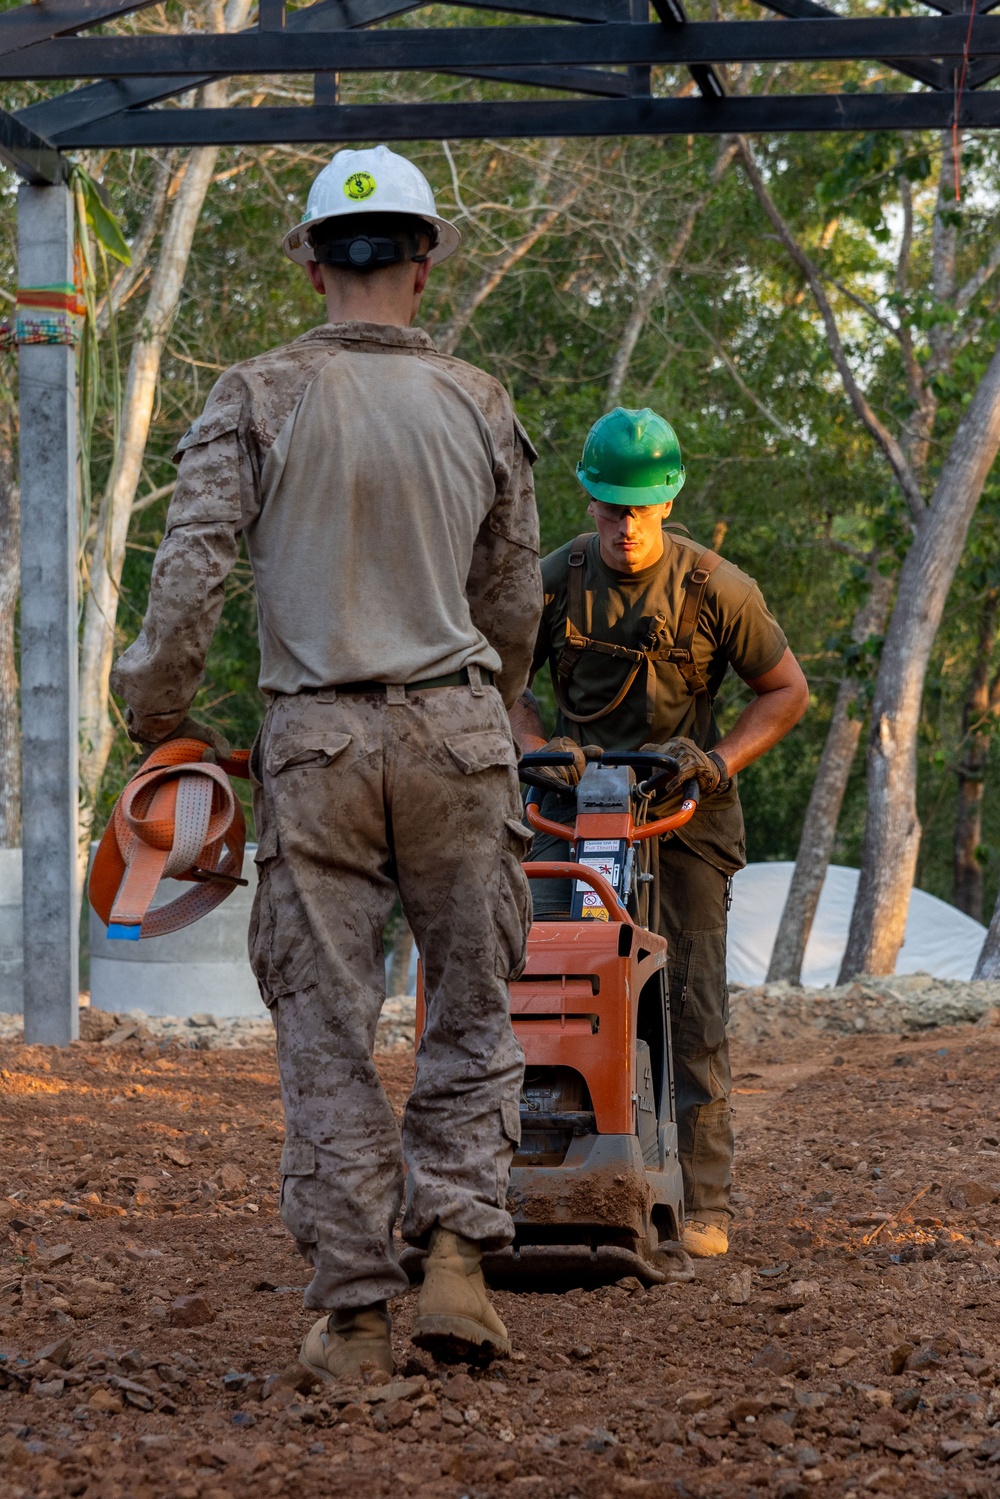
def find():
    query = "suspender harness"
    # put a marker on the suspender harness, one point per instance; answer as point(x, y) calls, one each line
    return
point(652, 648)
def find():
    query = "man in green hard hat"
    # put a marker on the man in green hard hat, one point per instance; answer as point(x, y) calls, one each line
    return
point(638, 629)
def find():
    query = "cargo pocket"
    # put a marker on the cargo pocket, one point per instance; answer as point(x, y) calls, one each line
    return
point(298, 1189)
point(482, 750)
point(282, 954)
point(510, 1115)
point(312, 750)
point(513, 917)
point(699, 993)
point(510, 1123)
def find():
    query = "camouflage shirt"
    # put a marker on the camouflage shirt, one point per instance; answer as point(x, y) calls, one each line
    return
point(385, 495)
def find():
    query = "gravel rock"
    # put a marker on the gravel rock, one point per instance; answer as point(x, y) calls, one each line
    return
point(190, 1311)
point(205, 1032)
point(901, 1002)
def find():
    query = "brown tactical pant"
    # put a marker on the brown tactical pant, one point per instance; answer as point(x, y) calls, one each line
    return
point(691, 902)
point(357, 797)
point(693, 909)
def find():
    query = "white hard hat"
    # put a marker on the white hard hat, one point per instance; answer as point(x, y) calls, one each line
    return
point(373, 181)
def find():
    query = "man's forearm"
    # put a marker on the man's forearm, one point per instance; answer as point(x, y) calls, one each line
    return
point(526, 723)
point(160, 673)
point(782, 698)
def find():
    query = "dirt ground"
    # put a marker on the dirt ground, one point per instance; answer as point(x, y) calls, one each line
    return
point(150, 1302)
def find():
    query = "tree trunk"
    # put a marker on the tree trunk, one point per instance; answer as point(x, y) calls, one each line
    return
point(10, 710)
point(108, 555)
point(980, 700)
point(892, 829)
point(988, 962)
point(825, 801)
point(399, 963)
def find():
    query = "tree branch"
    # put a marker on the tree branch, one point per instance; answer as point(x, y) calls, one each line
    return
point(751, 395)
point(649, 292)
point(905, 477)
point(859, 301)
point(978, 279)
point(447, 339)
point(906, 239)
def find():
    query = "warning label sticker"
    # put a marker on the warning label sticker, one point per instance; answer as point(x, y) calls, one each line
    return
point(609, 867)
point(592, 907)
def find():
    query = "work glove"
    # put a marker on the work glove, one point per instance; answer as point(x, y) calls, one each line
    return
point(190, 728)
point(693, 764)
point(564, 777)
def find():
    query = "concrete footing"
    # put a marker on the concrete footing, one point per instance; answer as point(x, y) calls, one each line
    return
point(202, 969)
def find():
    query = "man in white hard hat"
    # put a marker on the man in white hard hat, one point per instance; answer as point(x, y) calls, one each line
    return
point(384, 493)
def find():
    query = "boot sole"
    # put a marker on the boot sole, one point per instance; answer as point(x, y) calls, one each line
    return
point(458, 1340)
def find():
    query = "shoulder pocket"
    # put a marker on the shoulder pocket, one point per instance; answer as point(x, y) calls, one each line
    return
point(214, 422)
point(317, 748)
point(526, 442)
point(481, 750)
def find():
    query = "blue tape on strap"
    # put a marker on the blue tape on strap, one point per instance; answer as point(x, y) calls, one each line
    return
point(119, 933)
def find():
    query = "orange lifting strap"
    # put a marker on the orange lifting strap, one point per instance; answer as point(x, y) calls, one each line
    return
point(178, 818)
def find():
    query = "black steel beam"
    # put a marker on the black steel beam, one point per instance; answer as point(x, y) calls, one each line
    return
point(556, 10)
point(931, 73)
point(961, 7)
point(982, 72)
point(569, 80)
point(31, 156)
point(748, 114)
point(710, 85)
point(96, 101)
point(29, 24)
point(459, 48)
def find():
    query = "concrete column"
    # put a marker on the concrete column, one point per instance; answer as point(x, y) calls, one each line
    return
point(49, 718)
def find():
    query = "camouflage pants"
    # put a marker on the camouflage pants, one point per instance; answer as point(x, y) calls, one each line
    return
point(690, 902)
point(358, 797)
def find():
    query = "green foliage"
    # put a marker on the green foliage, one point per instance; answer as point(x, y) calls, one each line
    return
point(781, 475)
point(105, 226)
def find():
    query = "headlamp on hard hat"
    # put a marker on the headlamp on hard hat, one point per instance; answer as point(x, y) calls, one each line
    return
point(372, 242)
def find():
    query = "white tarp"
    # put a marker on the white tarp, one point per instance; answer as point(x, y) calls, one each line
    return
point(940, 940)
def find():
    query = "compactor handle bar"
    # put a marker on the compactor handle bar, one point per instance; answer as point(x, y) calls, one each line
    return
point(636, 759)
point(528, 761)
point(664, 767)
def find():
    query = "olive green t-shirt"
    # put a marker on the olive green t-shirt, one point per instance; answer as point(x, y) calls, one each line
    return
point(735, 628)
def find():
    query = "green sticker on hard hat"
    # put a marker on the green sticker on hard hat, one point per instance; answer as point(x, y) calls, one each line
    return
point(359, 186)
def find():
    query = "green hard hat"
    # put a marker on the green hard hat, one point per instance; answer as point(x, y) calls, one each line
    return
point(631, 458)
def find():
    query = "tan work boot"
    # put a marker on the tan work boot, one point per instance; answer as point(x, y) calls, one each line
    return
point(704, 1240)
point(454, 1317)
point(343, 1343)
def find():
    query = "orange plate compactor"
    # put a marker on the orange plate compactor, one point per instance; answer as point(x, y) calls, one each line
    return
point(595, 1187)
